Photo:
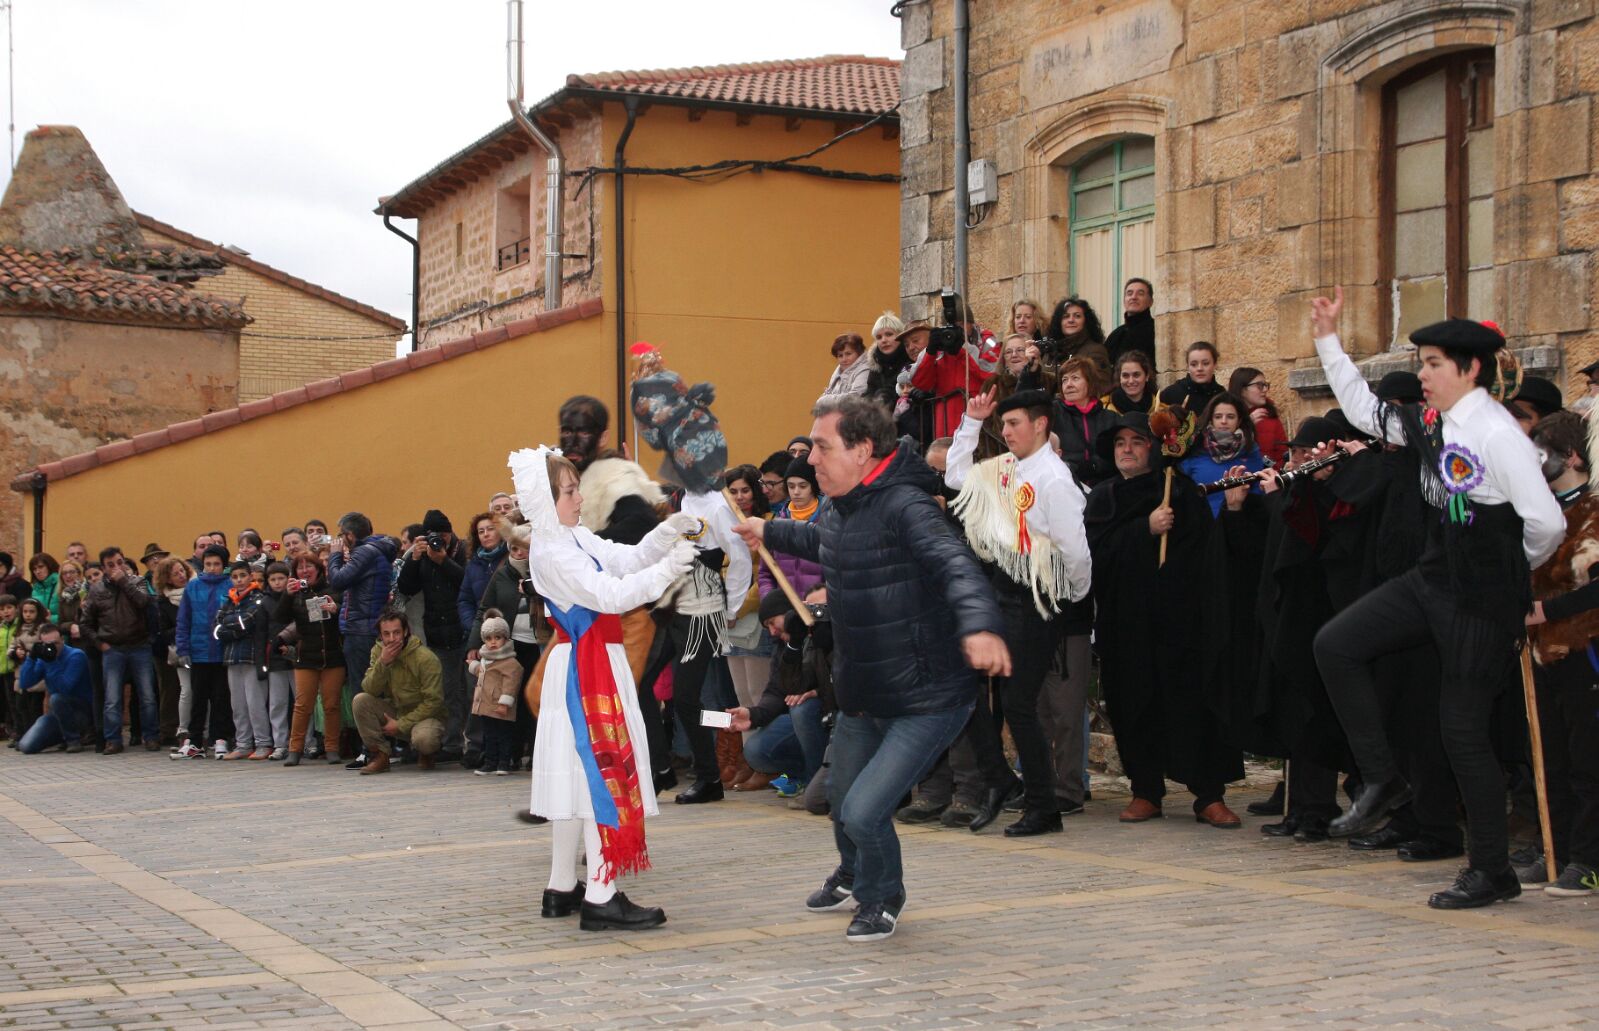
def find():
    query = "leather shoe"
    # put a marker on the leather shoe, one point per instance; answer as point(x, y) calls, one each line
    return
point(620, 914)
point(1427, 850)
point(1380, 841)
point(989, 808)
point(1311, 831)
point(1371, 805)
point(425, 761)
point(293, 759)
point(1285, 829)
point(561, 903)
point(379, 764)
point(1218, 815)
point(665, 781)
point(112, 747)
point(1034, 821)
point(1139, 810)
point(1475, 888)
point(699, 791)
point(1272, 806)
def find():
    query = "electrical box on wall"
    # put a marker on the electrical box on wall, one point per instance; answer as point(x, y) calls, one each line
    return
point(982, 182)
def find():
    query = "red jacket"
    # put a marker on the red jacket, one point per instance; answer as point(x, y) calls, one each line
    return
point(948, 377)
point(1271, 438)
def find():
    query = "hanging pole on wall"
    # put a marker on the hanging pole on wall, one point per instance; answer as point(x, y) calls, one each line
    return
point(963, 146)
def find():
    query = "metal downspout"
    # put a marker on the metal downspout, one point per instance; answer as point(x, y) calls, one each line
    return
point(620, 272)
point(416, 280)
point(554, 167)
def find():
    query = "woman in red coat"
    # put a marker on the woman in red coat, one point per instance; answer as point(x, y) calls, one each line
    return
point(1251, 385)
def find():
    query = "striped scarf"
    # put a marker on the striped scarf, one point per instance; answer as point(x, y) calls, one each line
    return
point(599, 730)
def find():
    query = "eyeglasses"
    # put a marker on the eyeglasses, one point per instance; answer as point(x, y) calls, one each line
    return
point(1262, 384)
point(771, 483)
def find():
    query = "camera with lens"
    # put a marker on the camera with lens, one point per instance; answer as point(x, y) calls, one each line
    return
point(436, 541)
point(45, 651)
point(951, 336)
point(299, 585)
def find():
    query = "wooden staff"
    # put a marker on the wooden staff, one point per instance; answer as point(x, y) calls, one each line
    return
point(771, 564)
point(1165, 502)
point(1529, 695)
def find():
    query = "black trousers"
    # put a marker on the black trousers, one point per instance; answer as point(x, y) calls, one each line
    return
point(1312, 790)
point(1142, 745)
point(1568, 715)
point(1032, 642)
point(1409, 683)
point(208, 696)
point(527, 655)
point(688, 685)
point(1475, 655)
point(981, 735)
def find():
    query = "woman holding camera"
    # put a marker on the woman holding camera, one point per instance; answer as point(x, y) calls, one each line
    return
point(319, 661)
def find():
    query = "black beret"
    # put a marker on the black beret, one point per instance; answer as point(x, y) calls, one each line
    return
point(1315, 430)
point(1138, 422)
point(1590, 370)
point(1343, 429)
point(1543, 395)
point(1402, 387)
point(1459, 335)
point(1023, 399)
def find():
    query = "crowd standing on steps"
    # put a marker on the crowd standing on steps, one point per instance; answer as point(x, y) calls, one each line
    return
point(993, 543)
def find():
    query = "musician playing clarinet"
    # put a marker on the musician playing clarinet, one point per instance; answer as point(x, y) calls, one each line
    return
point(1490, 519)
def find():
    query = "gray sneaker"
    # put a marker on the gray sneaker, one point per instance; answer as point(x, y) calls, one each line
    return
point(835, 893)
point(1577, 880)
point(875, 921)
point(1529, 866)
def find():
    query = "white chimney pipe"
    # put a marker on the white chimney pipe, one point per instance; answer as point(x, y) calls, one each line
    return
point(554, 168)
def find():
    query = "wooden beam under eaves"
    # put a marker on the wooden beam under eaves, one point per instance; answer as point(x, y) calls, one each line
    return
point(742, 118)
point(792, 124)
point(696, 114)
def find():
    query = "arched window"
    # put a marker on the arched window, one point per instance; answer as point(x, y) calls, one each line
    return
point(1438, 182)
point(1112, 223)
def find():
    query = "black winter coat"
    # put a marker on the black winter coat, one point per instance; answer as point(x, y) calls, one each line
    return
point(1137, 333)
point(439, 584)
point(504, 592)
point(1077, 433)
point(321, 646)
point(902, 589)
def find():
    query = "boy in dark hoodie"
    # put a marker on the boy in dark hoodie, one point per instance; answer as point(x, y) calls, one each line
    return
point(241, 627)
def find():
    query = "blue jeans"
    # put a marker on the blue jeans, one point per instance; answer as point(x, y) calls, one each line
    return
point(121, 664)
point(66, 723)
point(876, 762)
point(794, 743)
point(357, 657)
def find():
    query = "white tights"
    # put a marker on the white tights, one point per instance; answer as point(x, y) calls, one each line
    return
point(563, 859)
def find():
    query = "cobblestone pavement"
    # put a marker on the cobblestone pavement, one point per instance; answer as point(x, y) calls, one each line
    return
point(140, 892)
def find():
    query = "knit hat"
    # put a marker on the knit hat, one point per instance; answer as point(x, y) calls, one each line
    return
point(808, 442)
point(436, 522)
point(676, 420)
point(774, 604)
point(802, 469)
point(494, 625)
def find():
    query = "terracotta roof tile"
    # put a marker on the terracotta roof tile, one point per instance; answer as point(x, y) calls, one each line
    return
point(836, 83)
point(189, 429)
point(63, 283)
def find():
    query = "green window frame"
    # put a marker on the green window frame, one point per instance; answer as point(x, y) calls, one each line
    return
point(1119, 214)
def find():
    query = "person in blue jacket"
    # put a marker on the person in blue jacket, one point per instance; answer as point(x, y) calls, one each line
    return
point(1228, 440)
point(62, 672)
point(199, 649)
point(362, 566)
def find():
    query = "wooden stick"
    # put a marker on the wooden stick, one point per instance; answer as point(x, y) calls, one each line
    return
point(771, 564)
point(1530, 696)
point(1165, 502)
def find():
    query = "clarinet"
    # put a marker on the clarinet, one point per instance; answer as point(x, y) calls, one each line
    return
point(1285, 479)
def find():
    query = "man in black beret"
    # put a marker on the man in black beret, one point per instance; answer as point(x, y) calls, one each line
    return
point(1490, 518)
point(1023, 516)
point(1400, 387)
point(1535, 401)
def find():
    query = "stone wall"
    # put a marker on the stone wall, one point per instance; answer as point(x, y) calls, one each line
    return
point(1267, 117)
point(71, 386)
point(462, 289)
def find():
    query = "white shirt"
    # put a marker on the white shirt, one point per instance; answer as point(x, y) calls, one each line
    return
point(1511, 467)
point(1058, 513)
point(719, 520)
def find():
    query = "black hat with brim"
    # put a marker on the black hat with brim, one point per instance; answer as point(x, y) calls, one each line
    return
point(1543, 395)
point(1138, 422)
point(1343, 429)
point(1317, 429)
point(1400, 388)
point(1023, 399)
point(1459, 335)
point(1591, 370)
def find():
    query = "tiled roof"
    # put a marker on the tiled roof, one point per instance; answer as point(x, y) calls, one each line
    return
point(65, 284)
point(178, 432)
point(244, 261)
point(834, 84)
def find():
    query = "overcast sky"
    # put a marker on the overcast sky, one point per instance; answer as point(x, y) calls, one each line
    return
point(276, 125)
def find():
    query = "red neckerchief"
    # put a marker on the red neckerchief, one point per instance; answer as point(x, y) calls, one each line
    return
point(877, 470)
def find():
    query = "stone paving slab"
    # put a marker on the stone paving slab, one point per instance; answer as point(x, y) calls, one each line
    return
point(143, 892)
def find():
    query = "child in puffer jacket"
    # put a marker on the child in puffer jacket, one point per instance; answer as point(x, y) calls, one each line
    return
point(499, 680)
point(242, 630)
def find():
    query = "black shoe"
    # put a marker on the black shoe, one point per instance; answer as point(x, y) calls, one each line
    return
point(1272, 806)
point(835, 893)
point(1374, 802)
point(1285, 829)
point(357, 763)
point(527, 816)
point(1427, 850)
point(875, 920)
point(1034, 822)
point(1016, 799)
point(916, 813)
point(1311, 831)
point(1380, 841)
point(292, 759)
point(665, 781)
point(1475, 888)
point(994, 802)
point(619, 914)
point(699, 791)
point(561, 903)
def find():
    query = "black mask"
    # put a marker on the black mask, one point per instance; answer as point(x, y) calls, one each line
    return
point(579, 438)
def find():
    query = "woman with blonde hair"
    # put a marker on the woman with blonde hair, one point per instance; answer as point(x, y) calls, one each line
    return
point(1027, 319)
point(887, 358)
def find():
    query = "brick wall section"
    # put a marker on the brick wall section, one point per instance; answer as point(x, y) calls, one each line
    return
point(268, 365)
point(1266, 126)
point(462, 297)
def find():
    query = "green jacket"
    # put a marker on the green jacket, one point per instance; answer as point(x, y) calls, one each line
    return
point(7, 632)
point(413, 684)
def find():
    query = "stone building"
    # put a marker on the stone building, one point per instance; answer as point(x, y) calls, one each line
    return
point(1432, 157)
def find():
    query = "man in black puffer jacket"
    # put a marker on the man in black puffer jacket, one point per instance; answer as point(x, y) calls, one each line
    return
point(914, 624)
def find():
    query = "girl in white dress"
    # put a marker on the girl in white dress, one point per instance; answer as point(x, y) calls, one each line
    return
point(591, 766)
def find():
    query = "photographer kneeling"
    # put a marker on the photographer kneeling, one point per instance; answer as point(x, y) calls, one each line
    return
point(788, 721)
point(63, 672)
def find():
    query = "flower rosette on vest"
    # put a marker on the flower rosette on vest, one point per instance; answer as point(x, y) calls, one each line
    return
point(1461, 471)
